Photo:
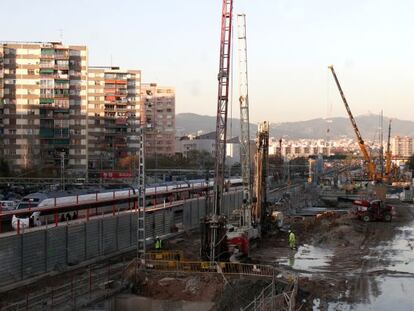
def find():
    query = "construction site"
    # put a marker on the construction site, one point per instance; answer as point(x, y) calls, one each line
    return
point(339, 239)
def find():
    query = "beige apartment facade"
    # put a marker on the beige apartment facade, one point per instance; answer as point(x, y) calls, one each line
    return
point(158, 116)
point(114, 103)
point(56, 111)
point(43, 103)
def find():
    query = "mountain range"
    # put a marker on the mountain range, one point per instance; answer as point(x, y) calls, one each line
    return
point(334, 128)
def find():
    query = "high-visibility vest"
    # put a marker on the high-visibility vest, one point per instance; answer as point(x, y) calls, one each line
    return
point(292, 238)
point(158, 244)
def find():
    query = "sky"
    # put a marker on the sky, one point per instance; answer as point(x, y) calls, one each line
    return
point(290, 44)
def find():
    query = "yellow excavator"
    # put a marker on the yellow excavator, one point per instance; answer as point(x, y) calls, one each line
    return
point(371, 167)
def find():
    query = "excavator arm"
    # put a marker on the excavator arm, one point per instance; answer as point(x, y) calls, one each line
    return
point(370, 164)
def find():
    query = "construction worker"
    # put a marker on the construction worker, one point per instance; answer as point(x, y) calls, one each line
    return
point(292, 240)
point(158, 243)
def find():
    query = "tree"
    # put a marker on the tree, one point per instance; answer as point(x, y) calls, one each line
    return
point(410, 162)
point(4, 168)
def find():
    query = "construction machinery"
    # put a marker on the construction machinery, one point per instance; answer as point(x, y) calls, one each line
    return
point(240, 236)
point(213, 239)
point(371, 167)
point(245, 158)
point(261, 160)
point(388, 156)
point(375, 210)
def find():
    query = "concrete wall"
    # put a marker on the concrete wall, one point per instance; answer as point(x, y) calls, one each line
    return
point(36, 252)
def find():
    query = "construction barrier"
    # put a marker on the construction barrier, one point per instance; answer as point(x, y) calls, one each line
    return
point(165, 255)
point(219, 267)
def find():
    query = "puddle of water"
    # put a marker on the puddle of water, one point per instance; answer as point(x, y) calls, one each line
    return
point(308, 258)
point(392, 294)
point(399, 253)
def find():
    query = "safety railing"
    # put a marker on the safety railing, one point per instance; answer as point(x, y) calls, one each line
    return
point(217, 267)
point(174, 255)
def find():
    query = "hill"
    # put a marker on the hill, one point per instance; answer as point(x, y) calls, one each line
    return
point(190, 123)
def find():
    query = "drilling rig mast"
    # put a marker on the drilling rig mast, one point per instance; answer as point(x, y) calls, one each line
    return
point(245, 158)
point(213, 227)
point(262, 154)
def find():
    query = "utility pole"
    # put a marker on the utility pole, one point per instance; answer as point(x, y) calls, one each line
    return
point(62, 170)
point(141, 236)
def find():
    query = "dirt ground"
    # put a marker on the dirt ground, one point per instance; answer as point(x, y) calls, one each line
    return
point(354, 251)
point(338, 260)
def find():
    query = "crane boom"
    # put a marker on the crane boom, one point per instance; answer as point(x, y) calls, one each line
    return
point(361, 143)
point(245, 158)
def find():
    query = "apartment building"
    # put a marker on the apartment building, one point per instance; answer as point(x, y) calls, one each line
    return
point(43, 103)
point(158, 115)
point(402, 146)
point(114, 103)
point(299, 148)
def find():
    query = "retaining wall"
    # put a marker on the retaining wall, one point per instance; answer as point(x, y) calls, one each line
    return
point(35, 252)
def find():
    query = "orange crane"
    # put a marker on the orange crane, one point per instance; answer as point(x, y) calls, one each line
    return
point(371, 167)
point(388, 156)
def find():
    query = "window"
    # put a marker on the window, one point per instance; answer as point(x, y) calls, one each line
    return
point(30, 72)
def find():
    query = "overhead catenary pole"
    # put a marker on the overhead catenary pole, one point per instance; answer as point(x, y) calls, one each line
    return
point(141, 235)
point(245, 158)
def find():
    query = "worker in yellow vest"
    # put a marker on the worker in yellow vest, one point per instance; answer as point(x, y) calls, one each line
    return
point(158, 243)
point(292, 240)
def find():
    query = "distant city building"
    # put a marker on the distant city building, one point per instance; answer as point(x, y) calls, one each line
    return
point(207, 143)
point(43, 103)
point(158, 115)
point(114, 104)
point(402, 146)
point(299, 148)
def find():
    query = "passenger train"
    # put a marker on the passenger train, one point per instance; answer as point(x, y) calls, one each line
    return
point(160, 194)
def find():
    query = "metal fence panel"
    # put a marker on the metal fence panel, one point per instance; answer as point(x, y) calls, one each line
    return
point(159, 223)
point(133, 225)
point(76, 244)
point(34, 257)
point(109, 242)
point(56, 248)
point(93, 238)
point(149, 225)
point(124, 237)
point(10, 259)
point(167, 221)
point(195, 214)
point(201, 208)
point(187, 215)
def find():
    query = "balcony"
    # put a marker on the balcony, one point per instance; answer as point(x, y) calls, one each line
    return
point(46, 65)
point(44, 100)
point(62, 85)
point(46, 132)
point(61, 76)
point(46, 71)
point(61, 54)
